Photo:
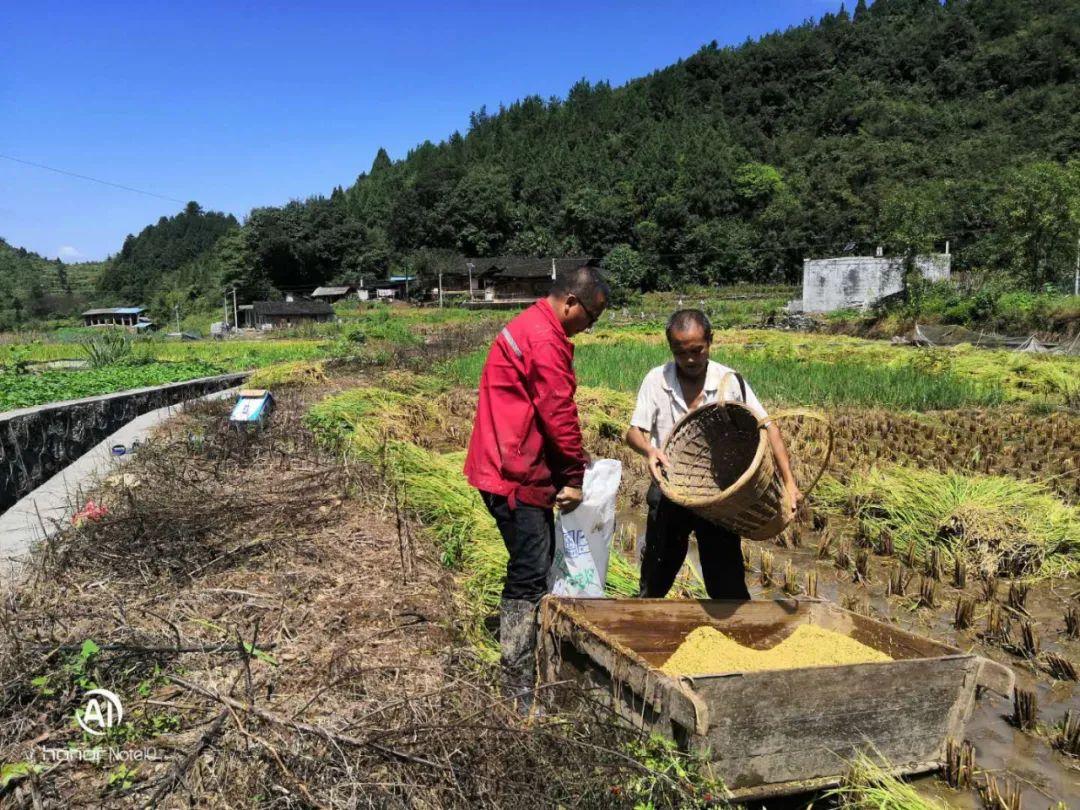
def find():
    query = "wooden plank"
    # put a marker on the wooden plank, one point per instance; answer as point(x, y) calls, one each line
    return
point(897, 643)
point(658, 626)
point(630, 679)
point(904, 709)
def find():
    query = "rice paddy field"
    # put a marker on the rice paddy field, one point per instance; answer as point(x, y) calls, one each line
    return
point(950, 504)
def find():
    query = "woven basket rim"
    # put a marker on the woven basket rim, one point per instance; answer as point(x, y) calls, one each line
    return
point(736, 485)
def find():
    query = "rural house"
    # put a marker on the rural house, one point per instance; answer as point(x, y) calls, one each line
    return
point(131, 317)
point(279, 314)
point(332, 294)
point(517, 279)
point(402, 287)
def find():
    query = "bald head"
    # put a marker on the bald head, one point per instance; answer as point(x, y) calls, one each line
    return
point(579, 297)
point(585, 283)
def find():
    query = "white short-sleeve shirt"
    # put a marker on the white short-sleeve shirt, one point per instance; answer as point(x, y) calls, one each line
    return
point(660, 402)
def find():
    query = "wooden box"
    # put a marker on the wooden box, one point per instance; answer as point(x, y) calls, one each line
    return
point(775, 732)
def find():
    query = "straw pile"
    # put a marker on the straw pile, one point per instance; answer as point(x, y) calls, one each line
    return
point(706, 651)
point(296, 374)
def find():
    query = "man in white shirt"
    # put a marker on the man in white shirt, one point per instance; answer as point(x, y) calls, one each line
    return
point(669, 392)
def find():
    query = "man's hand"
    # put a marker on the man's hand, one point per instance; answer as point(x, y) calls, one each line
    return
point(796, 498)
point(568, 499)
point(657, 462)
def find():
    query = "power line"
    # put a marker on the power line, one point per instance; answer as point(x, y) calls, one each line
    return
point(92, 179)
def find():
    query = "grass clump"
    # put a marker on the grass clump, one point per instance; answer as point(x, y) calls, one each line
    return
point(870, 786)
point(1002, 525)
point(106, 347)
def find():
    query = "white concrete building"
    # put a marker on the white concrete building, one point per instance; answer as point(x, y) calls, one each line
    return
point(859, 281)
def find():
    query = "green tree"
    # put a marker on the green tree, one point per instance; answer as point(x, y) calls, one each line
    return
point(479, 210)
point(757, 183)
point(626, 271)
point(1036, 216)
point(914, 218)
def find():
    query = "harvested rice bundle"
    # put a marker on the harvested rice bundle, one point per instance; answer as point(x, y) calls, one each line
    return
point(706, 650)
point(604, 413)
point(289, 375)
point(361, 417)
point(1002, 526)
point(994, 536)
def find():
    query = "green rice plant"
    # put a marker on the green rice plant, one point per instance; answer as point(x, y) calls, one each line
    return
point(621, 365)
point(239, 355)
point(39, 351)
point(870, 786)
point(1000, 525)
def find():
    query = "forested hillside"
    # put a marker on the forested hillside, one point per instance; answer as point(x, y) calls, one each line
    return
point(163, 250)
point(33, 287)
point(906, 123)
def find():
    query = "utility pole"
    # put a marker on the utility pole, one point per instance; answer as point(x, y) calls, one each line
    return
point(440, 288)
point(1076, 275)
point(225, 304)
point(470, 266)
point(176, 311)
point(235, 312)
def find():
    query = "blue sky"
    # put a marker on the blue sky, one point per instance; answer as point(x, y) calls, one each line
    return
point(237, 105)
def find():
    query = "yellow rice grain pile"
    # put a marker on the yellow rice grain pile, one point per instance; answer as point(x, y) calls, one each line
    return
point(706, 650)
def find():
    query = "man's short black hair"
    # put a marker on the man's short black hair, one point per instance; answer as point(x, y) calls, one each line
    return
point(683, 320)
point(585, 283)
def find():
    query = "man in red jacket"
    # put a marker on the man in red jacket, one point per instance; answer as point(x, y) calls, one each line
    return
point(526, 455)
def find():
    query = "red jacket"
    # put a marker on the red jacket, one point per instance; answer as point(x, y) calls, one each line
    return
point(526, 439)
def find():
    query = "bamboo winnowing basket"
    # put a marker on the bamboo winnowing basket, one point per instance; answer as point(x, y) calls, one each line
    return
point(722, 468)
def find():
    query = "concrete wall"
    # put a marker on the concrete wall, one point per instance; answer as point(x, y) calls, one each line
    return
point(858, 281)
point(36, 443)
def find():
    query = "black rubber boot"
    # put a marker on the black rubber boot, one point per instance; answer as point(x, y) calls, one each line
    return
point(517, 640)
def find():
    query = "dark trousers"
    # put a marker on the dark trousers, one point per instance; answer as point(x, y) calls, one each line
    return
point(529, 535)
point(667, 535)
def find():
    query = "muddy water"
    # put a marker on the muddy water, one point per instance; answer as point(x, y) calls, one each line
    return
point(1044, 775)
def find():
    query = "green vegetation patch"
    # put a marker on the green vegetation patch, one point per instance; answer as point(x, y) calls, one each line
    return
point(26, 390)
